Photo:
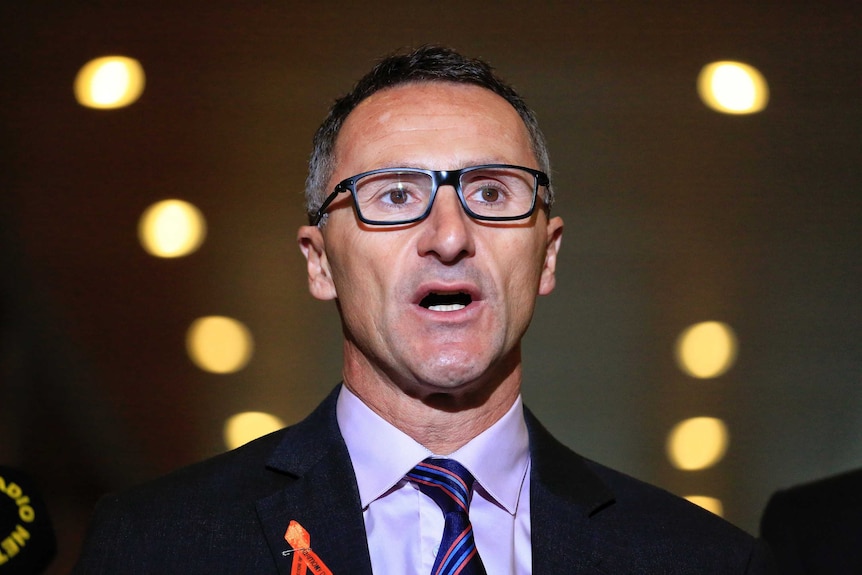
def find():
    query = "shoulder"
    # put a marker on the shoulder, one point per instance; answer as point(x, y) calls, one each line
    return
point(246, 473)
point(821, 507)
point(817, 523)
point(190, 518)
point(814, 496)
point(240, 472)
point(629, 525)
point(206, 514)
point(637, 504)
point(213, 499)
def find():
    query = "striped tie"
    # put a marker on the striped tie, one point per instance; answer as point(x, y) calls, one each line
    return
point(450, 486)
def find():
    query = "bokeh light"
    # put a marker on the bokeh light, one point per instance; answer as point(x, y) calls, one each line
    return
point(733, 88)
point(706, 349)
point(171, 228)
point(243, 427)
point(709, 503)
point(219, 344)
point(109, 82)
point(697, 443)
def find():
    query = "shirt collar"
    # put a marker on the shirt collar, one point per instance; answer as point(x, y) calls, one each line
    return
point(499, 457)
point(382, 454)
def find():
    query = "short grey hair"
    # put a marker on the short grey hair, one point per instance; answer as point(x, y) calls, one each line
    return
point(428, 63)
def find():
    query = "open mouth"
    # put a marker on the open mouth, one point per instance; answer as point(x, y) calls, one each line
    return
point(435, 301)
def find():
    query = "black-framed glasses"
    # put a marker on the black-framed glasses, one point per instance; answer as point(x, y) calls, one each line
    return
point(398, 196)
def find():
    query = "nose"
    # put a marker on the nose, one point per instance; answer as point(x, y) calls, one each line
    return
point(447, 232)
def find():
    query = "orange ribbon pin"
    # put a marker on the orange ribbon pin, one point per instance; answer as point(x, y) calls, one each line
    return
point(304, 559)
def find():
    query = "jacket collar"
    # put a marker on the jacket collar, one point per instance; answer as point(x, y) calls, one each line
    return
point(320, 493)
point(565, 497)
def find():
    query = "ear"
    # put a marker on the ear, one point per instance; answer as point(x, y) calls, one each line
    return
point(313, 247)
point(548, 279)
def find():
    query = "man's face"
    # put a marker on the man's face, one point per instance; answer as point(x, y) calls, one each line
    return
point(383, 277)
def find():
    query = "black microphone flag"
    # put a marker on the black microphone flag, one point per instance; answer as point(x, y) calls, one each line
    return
point(27, 541)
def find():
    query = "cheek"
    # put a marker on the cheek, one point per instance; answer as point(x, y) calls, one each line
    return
point(364, 272)
point(522, 270)
point(357, 288)
point(523, 287)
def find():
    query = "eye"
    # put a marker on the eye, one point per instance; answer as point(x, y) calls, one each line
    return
point(397, 196)
point(487, 193)
point(389, 194)
point(490, 195)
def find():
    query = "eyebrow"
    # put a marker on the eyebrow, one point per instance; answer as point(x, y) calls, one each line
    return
point(424, 166)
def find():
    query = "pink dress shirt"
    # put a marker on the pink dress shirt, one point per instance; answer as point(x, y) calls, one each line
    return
point(404, 526)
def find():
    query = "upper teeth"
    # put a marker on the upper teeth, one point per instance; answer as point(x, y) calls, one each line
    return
point(447, 307)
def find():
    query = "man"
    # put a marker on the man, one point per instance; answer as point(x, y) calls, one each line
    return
point(816, 527)
point(431, 230)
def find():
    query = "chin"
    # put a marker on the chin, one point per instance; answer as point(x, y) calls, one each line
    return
point(452, 372)
point(457, 383)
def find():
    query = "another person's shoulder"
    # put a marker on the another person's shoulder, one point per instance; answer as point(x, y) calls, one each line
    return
point(845, 488)
point(817, 524)
point(825, 509)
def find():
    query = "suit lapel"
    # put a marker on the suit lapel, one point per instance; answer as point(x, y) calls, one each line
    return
point(564, 496)
point(320, 493)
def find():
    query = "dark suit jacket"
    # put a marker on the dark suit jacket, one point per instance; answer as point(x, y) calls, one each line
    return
point(229, 514)
point(817, 527)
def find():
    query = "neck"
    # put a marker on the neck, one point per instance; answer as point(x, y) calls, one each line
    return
point(441, 421)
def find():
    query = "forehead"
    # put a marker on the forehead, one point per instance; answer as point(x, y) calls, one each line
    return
point(438, 125)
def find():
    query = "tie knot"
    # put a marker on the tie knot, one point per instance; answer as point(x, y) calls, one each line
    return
point(445, 481)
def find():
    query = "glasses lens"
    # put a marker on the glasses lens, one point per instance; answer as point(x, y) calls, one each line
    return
point(393, 196)
point(499, 192)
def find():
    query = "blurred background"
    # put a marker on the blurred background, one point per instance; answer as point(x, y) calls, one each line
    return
point(706, 331)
